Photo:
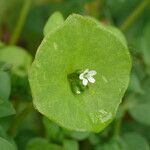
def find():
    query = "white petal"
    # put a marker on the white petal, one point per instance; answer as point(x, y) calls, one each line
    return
point(92, 73)
point(85, 82)
point(81, 76)
point(86, 71)
point(91, 79)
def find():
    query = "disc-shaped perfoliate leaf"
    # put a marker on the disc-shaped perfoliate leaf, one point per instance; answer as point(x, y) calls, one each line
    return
point(79, 44)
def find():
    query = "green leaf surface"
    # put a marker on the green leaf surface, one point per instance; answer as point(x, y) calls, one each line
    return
point(52, 130)
point(113, 144)
point(134, 84)
point(3, 133)
point(94, 139)
point(5, 145)
point(6, 108)
point(78, 44)
point(70, 145)
point(141, 112)
point(5, 85)
point(23, 137)
point(130, 141)
point(145, 43)
point(55, 20)
point(6, 122)
point(118, 34)
point(42, 144)
point(135, 141)
point(114, 30)
point(139, 105)
point(76, 135)
point(18, 57)
point(55, 133)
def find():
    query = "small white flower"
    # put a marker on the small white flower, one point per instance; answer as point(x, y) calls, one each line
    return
point(87, 76)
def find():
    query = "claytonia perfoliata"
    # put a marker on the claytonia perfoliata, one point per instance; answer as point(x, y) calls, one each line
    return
point(87, 76)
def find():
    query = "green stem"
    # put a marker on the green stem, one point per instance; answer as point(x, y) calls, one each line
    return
point(117, 127)
point(134, 15)
point(118, 121)
point(19, 119)
point(19, 25)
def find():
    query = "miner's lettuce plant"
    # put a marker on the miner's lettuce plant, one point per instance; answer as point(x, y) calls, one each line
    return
point(74, 82)
point(69, 54)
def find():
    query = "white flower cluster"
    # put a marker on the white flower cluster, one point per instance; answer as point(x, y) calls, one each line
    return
point(87, 76)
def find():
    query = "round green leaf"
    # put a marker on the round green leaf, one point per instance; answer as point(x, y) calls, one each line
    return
point(52, 130)
point(40, 143)
point(55, 20)
point(113, 144)
point(6, 108)
point(17, 57)
point(70, 145)
point(5, 145)
point(134, 84)
point(5, 85)
point(141, 112)
point(78, 44)
point(135, 141)
point(140, 105)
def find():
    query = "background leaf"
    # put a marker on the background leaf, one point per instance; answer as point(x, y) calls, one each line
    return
point(141, 105)
point(55, 20)
point(139, 112)
point(39, 143)
point(135, 141)
point(146, 44)
point(70, 145)
point(6, 108)
point(18, 57)
point(5, 85)
point(5, 145)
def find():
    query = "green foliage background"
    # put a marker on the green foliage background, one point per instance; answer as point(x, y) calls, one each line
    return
point(21, 32)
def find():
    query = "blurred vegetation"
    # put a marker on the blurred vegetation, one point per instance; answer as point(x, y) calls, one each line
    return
point(21, 31)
